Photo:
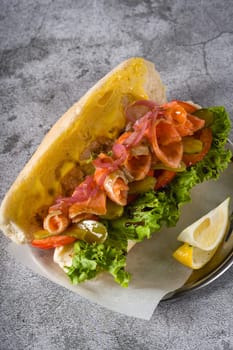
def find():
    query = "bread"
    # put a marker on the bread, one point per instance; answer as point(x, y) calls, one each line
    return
point(98, 114)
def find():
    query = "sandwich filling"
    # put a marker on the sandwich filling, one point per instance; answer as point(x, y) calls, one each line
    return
point(135, 184)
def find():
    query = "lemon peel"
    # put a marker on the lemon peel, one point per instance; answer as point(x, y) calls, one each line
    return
point(193, 257)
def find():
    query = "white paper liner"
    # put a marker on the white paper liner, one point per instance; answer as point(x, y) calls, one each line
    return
point(154, 272)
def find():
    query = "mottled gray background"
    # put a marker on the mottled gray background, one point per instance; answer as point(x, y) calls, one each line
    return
point(51, 52)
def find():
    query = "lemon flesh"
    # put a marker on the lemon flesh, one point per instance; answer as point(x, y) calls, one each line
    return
point(207, 232)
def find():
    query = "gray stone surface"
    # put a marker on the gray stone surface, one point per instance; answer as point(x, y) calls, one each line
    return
point(51, 52)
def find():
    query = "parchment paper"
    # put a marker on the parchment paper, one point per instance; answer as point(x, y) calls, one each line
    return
point(155, 272)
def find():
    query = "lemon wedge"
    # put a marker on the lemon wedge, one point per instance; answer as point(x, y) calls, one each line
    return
point(193, 257)
point(207, 232)
point(203, 237)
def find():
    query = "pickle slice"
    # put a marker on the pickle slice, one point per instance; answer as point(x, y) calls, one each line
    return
point(42, 234)
point(114, 210)
point(191, 145)
point(142, 186)
point(90, 231)
point(206, 115)
point(161, 166)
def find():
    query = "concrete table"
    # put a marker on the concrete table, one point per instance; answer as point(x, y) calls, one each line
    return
point(51, 53)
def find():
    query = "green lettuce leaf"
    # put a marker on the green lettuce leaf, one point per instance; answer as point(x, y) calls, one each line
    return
point(150, 211)
point(91, 259)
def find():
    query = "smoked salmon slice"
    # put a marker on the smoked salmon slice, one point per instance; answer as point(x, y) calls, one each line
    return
point(114, 184)
point(190, 108)
point(166, 133)
point(138, 162)
point(94, 204)
point(191, 125)
point(170, 150)
point(109, 177)
point(56, 222)
point(116, 187)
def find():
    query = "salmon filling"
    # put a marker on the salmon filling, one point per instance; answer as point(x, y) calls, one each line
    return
point(153, 136)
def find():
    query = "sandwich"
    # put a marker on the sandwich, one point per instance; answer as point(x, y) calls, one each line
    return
point(113, 169)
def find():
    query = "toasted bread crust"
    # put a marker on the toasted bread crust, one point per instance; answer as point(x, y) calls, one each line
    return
point(15, 200)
